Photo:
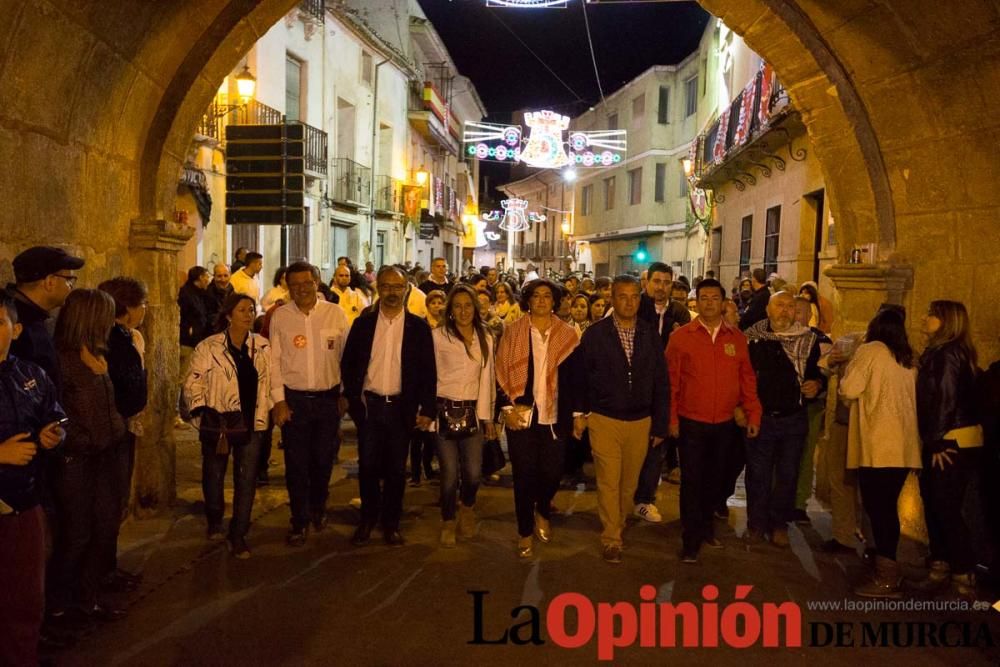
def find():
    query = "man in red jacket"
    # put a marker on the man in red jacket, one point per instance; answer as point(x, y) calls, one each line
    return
point(710, 375)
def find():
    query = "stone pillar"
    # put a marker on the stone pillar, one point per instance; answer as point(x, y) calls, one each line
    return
point(154, 247)
point(860, 290)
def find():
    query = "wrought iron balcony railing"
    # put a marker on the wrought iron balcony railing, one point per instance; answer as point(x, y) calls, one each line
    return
point(388, 194)
point(214, 121)
point(314, 9)
point(351, 183)
point(316, 150)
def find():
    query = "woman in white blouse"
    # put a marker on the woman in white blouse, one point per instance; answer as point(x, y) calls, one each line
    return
point(466, 391)
point(883, 442)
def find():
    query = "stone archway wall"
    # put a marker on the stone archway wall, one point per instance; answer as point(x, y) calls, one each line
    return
point(99, 100)
point(899, 100)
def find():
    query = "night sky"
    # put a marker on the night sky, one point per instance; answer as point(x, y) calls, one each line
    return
point(628, 39)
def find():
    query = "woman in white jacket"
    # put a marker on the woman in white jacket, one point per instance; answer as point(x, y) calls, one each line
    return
point(466, 392)
point(228, 394)
point(883, 442)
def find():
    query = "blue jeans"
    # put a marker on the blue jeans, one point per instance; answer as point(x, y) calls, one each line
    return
point(649, 476)
point(469, 452)
point(213, 480)
point(773, 459)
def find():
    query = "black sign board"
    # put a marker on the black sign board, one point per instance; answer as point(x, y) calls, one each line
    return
point(428, 225)
point(264, 174)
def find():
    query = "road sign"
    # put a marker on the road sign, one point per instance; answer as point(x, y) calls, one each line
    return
point(264, 174)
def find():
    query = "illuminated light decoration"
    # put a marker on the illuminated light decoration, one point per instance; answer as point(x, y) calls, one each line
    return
point(531, 4)
point(515, 216)
point(492, 236)
point(545, 146)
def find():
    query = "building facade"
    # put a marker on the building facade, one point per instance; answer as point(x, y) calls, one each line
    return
point(548, 213)
point(364, 103)
point(770, 202)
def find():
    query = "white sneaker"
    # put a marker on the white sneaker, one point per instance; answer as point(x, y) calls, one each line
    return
point(648, 512)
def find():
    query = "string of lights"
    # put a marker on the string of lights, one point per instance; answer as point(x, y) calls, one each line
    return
point(593, 57)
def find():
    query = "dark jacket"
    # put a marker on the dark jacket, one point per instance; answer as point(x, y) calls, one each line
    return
point(198, 311)
point(419, 379)
point(610, 386)
point(215, 298)
point(675, 314)
point(28, 401)
point(35, 343)
point(946, 396)
point(89, 401)
point(778, 385)
point(126, 371)
point(757, 310)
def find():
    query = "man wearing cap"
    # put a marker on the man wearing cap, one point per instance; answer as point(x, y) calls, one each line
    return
point(44, 277)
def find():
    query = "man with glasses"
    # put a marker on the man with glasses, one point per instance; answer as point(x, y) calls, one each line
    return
point(307, 340)
point(390, 380)
point(44, 277)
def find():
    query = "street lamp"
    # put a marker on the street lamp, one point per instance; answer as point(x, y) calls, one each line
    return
point(421, 176)
point(566, 227)
point(569, 174)
point(246, 84)
point(688, 166)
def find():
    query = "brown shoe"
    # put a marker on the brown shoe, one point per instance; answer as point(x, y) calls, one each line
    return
point(612, 554)
point(779, 538)
point(525, 547)
point(543, 529)
point(885, 583)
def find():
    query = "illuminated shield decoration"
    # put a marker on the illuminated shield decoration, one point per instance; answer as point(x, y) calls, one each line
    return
point(515, 216)
point(546, 145)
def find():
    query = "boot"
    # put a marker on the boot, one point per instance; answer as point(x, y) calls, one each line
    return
point(467, 524)
point(885, 583)
point(940, 572)
point(448, 534)
point(965, 585)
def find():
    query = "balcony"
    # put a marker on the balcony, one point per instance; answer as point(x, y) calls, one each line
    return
point(747, 137)
point(388, 195)
point(351, 183)
point(214, 121)
point(431, 117)
point(316, 148)
point(554, 249)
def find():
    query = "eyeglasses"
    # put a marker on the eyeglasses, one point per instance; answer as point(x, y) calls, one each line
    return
point(70, 280)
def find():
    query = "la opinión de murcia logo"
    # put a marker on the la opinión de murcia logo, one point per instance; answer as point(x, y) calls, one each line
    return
point(572, 621)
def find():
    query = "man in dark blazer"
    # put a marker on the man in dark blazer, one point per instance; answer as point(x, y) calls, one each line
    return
point(664, 315)
point(757, 310)
point(390, 382)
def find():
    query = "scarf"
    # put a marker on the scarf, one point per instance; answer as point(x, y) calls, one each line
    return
point(797, 342)
point(513, 355)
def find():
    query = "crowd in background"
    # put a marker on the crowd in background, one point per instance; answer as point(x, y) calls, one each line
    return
point(652, 377)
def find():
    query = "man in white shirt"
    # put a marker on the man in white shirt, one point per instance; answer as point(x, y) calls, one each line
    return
point(352, 301)
point(307, 339)
point(390, 381)
point(246, 280)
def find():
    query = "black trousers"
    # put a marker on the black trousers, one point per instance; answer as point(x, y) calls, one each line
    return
point(423, 446)
point(311, 442)
point(880, 488)
point(734, 460)
point(89, 510)
point(537, 458)
point(383, 443)
point(704, 448)
point(943, 493)
point(124, 466)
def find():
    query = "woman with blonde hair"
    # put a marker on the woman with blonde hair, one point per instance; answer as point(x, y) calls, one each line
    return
point(952, 440)
point(505, 306)
point(85, 471)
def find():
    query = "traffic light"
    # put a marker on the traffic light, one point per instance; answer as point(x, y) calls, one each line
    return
point(640, 255)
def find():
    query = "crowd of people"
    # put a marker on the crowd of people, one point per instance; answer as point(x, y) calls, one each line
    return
point(650, 376)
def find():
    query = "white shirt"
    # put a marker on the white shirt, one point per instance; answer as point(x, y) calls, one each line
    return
point(244, 283)
point(545, 404)
point(306, 349)
point(385, 369)
point(711, 332)
point(274, 295)
point(352, 302)
point(660, 312)
point(461, 377)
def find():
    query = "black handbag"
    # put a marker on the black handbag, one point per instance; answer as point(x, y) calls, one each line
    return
point(457, 419)
point(493, 458)
point(222, 430)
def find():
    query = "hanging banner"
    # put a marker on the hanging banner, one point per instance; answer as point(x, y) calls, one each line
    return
point(742, 132)
point(719, 150)
point(411, 201)
point(766, 87)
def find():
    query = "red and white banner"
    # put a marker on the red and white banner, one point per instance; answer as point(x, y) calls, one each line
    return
point(719, 150)
point(766, 86)
point(746, 115)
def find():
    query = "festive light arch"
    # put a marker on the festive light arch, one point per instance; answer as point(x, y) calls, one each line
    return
point(515, 216)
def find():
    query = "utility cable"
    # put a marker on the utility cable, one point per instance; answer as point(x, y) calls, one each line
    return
point(593, 57)
point(537, 57)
